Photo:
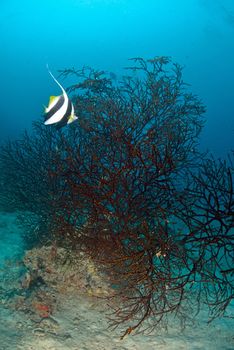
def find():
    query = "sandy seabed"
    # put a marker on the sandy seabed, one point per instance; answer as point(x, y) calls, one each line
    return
point(79, 321)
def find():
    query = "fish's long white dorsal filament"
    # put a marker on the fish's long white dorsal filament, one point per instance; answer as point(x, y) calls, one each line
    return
point(64, 92)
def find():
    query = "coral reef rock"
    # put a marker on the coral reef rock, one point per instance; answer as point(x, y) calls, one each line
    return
point(64, 272)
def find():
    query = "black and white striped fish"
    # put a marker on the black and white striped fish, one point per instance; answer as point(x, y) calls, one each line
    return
point(60, 110)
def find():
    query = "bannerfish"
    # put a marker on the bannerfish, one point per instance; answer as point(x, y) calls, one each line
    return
point(60, 110)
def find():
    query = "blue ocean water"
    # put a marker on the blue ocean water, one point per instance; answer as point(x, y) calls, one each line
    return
point(104, 34)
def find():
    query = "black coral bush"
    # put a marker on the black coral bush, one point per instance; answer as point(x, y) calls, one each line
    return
point(127, 184)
